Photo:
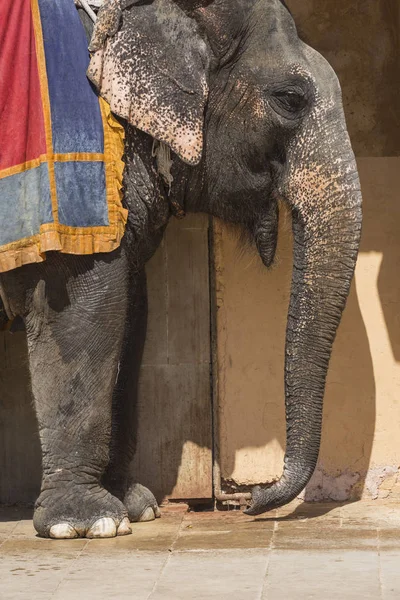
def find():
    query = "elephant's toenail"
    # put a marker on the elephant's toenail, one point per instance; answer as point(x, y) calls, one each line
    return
point(63, 531)
point(124, 527)
point(147, 515)
point(103, 528)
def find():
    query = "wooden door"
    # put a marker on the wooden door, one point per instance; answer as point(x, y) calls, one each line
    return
point(174, 453)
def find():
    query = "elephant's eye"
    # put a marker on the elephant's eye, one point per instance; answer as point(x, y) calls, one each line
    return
point(292, 101)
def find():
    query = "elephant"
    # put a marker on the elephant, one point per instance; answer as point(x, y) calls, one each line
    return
point(226, 112)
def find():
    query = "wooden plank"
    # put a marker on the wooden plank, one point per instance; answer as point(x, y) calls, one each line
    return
point(156, 348)
point(174, 450)
point(173, 456)
point(188, 291)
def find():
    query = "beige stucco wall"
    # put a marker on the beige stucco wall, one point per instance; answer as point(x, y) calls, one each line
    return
point(360, 452)
point(362, 403)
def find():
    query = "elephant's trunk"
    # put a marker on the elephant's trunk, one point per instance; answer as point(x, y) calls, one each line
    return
point(326, 209)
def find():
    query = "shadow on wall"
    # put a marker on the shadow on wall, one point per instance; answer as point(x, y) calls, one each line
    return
point(381, 235)
point(20, 456)
point(362, 410)
point(252, 322)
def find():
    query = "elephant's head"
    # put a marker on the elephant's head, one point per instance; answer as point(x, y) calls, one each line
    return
point(258, 116)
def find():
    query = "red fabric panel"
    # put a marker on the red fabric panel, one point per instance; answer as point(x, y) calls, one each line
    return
point(22, 132)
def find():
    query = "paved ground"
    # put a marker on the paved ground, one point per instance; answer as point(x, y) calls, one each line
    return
point(304, 551)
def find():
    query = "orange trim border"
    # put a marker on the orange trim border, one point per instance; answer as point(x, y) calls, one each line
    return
point(44, 90)
point(36, 162)
point(26, 166)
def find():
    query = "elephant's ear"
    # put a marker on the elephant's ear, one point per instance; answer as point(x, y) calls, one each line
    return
point(150, 63)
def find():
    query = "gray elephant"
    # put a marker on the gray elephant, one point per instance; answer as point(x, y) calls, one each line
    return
point(253, 117)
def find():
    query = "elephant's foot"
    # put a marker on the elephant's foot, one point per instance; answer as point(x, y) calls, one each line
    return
point(140, 504)
point(80, 511)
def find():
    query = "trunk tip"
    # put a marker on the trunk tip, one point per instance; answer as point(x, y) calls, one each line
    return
point(275, 495)
point(259, 503)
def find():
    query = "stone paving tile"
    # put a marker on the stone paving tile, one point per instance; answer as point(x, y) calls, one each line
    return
point(390, 575)
point(389, 540)
point(322, 575)
point(302, 522)
point(315, 510)
point(113, 576)
point(24, 529)
point(216, 531)
point(213, 575)
point(27, 574)
point(7, 528)
point(325, 538)
point(156, 536)
point(314, 551)
point(363, 514)
point(17, 547)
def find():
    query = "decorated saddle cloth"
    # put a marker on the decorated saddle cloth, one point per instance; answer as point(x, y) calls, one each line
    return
point(60, 147)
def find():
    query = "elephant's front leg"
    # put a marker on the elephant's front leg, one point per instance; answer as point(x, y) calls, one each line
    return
point(118, 479)
point(75, 330)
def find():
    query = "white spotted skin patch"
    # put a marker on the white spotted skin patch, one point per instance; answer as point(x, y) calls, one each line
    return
point(153, 73)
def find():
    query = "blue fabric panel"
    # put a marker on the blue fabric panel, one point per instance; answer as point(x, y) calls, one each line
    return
point(75, 112)
point(25, 204)
point(81, 194)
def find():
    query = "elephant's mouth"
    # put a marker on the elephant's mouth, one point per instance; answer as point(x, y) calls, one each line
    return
point(266, 234)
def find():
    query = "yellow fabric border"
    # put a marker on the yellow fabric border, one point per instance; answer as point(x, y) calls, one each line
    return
point(33, 249)
point(26, 166)
point(114, 141)
point(44, 90)
point(79, 157)
point(36, 162)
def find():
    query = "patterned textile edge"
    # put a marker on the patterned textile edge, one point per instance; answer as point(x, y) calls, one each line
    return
point(54, 230)
point(80, 240)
